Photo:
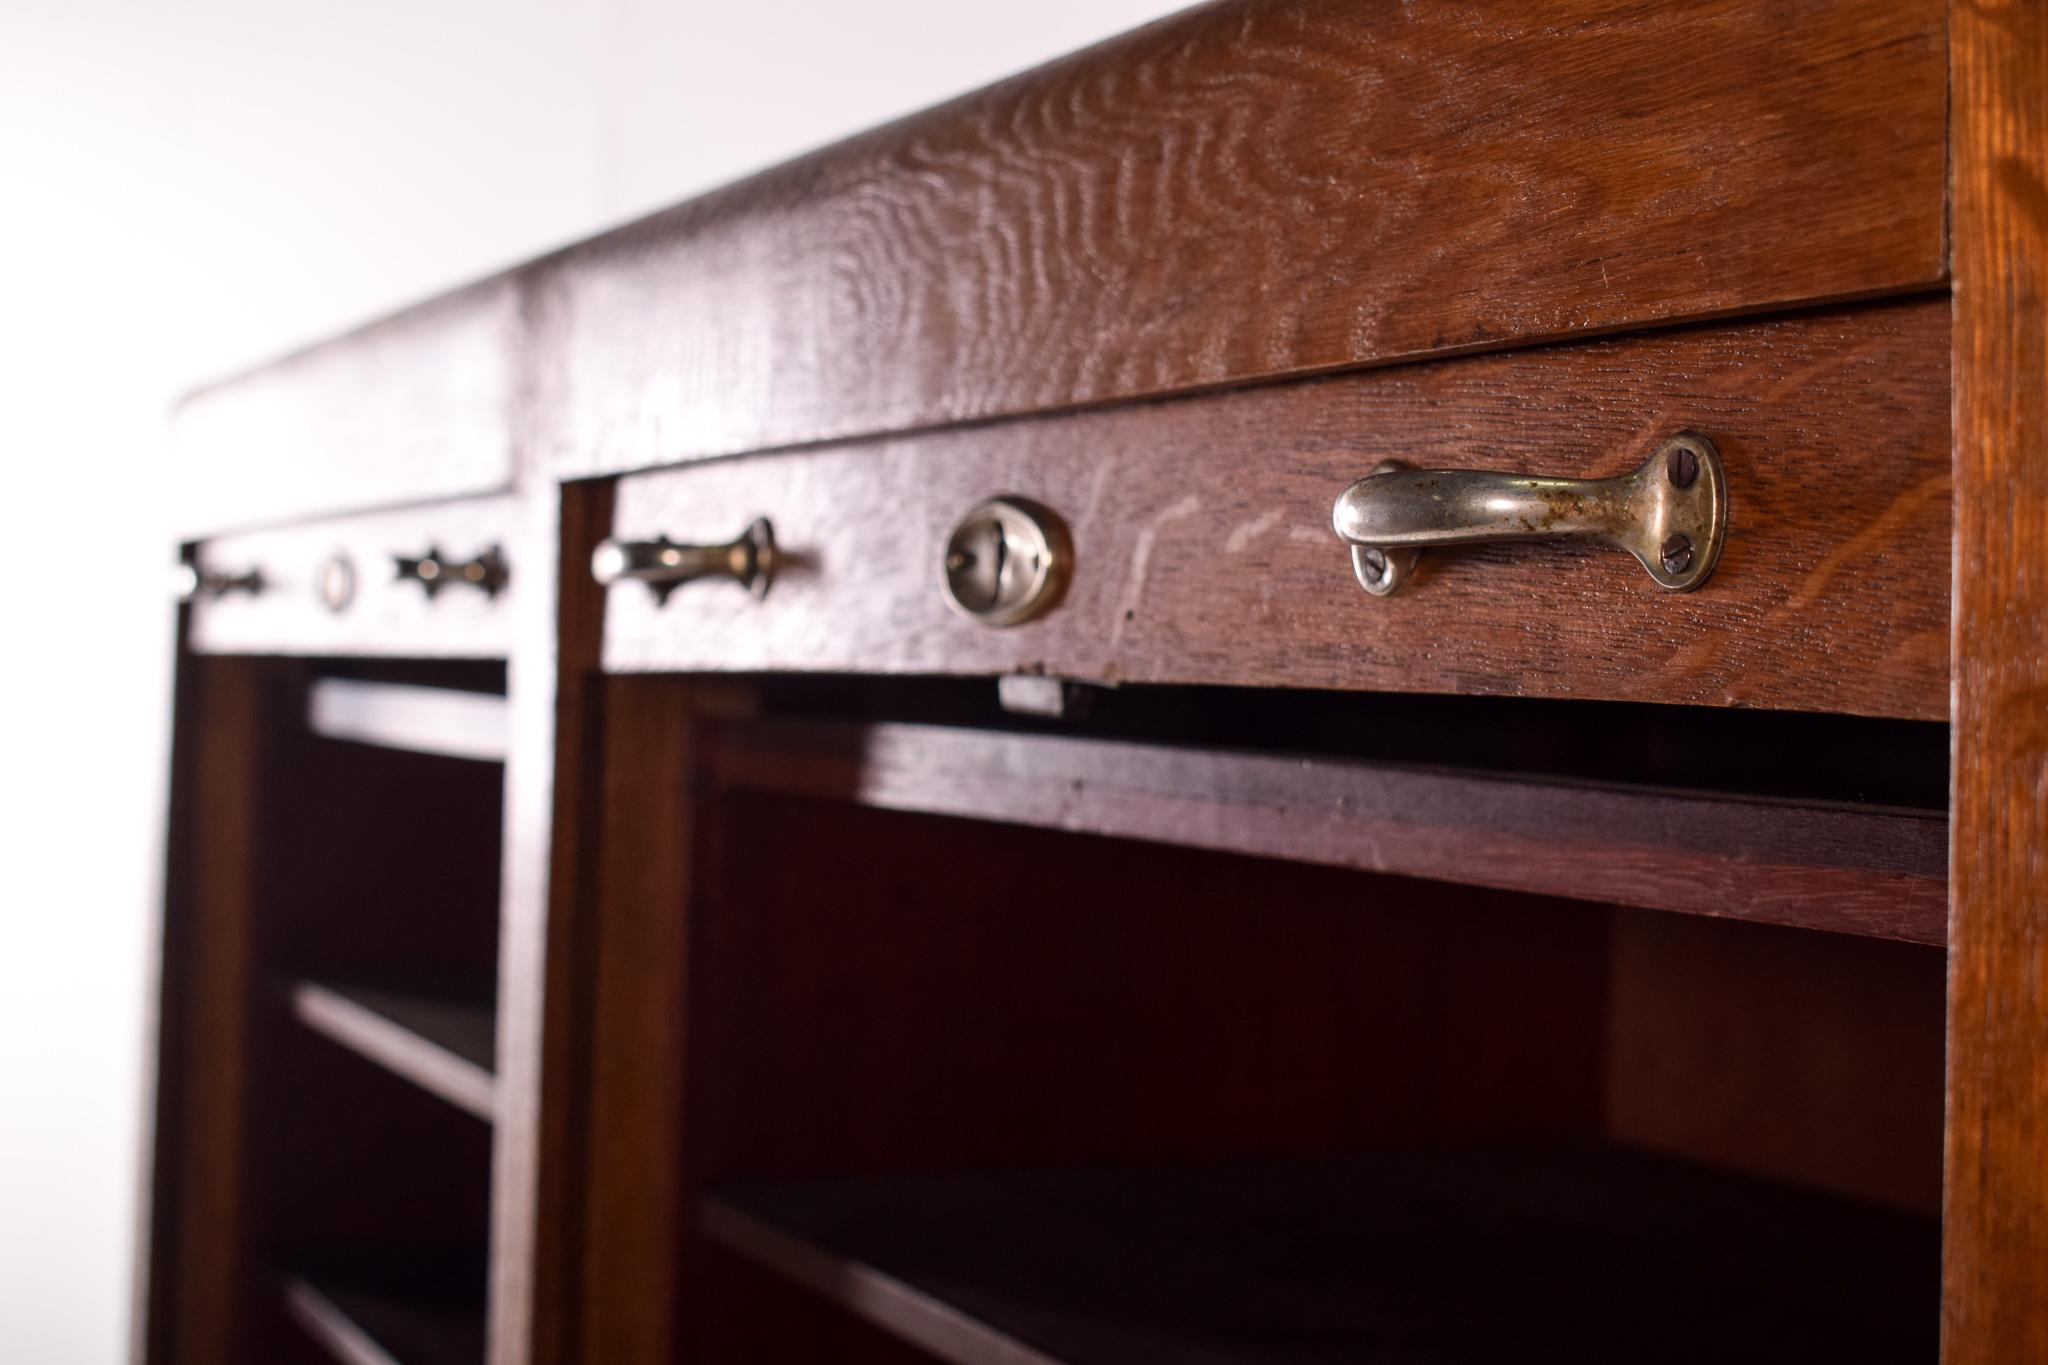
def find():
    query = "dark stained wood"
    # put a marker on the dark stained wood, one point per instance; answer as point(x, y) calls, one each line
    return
point(380, 864)
point(878, 991)
point(1204, 554)
point(551, 777)
point(816, 969)
point(444, 1047)
point(1252, 189)
point(373, 1326)
point(200, 1214)
point(386, 617)
point(1578, 1255)
point(635, 1069)
point(431, 720)
point(347, 1155)
point(270, 1138)
point(1997, 1225)
point(1856, 871)
point(1811, 1058)
point(412, 407)
point(761, 1318)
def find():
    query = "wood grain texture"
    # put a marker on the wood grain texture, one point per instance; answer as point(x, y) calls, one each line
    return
point(416, 406)
point(638, 962)
point(1859, 872)
point(1997, 1229)
point(1809, 1058)
point(386, 616)
point(1437, 1258)
point(1204, 554)
point(1257, 188)
point(917, 993)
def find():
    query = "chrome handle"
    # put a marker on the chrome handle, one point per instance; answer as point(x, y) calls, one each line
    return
point(664, 566)
point(1670, 513)
point(191, 582)
point(433, 571)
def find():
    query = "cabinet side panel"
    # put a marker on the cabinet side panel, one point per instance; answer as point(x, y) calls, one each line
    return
point(199, 1219)
point(1996, 1243)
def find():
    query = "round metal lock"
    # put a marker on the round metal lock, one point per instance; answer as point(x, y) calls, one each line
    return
point(1006, 561)
point(338, 583)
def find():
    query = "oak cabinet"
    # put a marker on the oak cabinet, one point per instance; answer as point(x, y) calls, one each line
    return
point(1337, 682)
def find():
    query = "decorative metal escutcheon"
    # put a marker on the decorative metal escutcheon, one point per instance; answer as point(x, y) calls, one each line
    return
point(487, 572)
point(337, 582)
point(1670, 512)
point(664, 566)
point(1006, 561)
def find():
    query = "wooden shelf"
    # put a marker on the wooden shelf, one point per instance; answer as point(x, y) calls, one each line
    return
point(360, 1326)
point(1849, 869)
point(1583, 1255)
point(426, 720)
point(443, 1046)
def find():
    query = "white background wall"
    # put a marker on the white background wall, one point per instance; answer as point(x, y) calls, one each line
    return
point(186, 189)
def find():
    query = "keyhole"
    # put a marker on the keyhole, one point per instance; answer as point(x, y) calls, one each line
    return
point(999, 553)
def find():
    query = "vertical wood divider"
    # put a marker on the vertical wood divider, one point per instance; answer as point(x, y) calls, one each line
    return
point(550, 766)
point(643, 924)
point(1994, 1305)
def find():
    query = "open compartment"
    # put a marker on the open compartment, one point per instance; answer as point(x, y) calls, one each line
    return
point(334, 1052)
point(375, 1085)
point(1114, 1071)
point(384, 849)
point(1015, 1095)
point(370, 1207)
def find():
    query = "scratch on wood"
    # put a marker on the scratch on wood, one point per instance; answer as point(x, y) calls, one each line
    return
point(1244, 533)
point(1141, 563)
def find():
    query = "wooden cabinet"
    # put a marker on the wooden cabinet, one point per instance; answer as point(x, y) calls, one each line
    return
point(770, 961)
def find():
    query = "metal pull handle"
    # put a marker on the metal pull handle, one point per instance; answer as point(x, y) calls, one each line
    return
point(191, 583)
point(433, 571)
point(664, 566)
point(1670, 513)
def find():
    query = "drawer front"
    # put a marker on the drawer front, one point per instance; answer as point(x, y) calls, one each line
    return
point(335, 587)
point(415, 407)
point(1203, 550)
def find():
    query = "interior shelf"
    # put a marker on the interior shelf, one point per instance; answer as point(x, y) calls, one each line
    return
point(445, 1046)
point(361, 1325)
point(1847, 868)
point(1581, 1254)
point(427, 720)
